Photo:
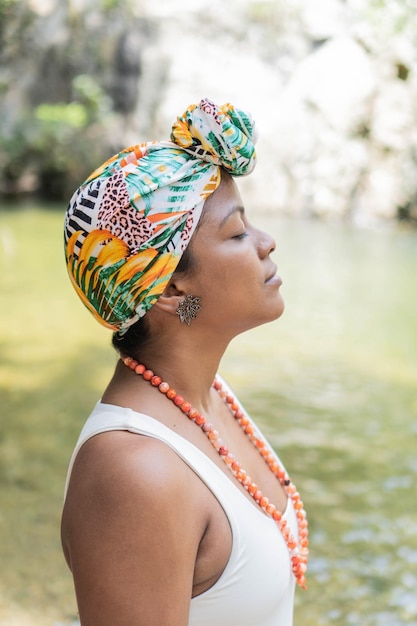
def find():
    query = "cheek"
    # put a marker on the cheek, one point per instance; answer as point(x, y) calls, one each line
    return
point(236, 283)
point(229, 275)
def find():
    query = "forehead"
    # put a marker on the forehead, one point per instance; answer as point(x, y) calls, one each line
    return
point(225, 200)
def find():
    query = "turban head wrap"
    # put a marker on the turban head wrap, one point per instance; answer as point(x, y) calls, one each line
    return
point(128, 224)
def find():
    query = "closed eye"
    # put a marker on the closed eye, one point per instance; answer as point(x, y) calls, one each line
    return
point(241, 236)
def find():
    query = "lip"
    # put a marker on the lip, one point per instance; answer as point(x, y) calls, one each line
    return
point(273, 277)
point(274, 280)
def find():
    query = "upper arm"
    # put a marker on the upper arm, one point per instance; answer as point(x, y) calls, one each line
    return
point(132, 532)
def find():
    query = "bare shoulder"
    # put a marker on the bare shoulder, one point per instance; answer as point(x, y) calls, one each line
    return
point(132, 523)
point(111, 464)
point(125, 472)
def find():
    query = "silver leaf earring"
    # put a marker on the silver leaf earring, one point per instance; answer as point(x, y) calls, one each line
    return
point(188, 308)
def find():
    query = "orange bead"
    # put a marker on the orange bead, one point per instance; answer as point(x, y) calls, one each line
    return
point(258, 495)
point(147, 374)
point(155, 381)
point(163, 387)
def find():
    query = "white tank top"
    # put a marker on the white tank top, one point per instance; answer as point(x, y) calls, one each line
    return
point(257, 585)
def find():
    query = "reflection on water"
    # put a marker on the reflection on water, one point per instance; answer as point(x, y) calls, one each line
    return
point(336, 385)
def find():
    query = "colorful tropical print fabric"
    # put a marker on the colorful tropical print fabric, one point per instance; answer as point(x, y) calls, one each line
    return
point(128, 224)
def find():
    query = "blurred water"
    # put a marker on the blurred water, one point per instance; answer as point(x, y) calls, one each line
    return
point(333, 383)
point(336, 388)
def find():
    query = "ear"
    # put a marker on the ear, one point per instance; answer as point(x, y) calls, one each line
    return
point(169, 300)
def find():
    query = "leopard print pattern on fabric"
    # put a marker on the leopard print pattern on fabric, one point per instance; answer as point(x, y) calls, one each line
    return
point(185, 235)
point(120, 217)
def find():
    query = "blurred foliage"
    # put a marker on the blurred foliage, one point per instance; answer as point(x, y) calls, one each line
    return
point(80, 80)
point(55, 143)
point(59, 67)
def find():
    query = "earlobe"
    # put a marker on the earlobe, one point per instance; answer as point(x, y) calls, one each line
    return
point(175, 300)
point(169, 300)
point(168, 303)
point(186, 307)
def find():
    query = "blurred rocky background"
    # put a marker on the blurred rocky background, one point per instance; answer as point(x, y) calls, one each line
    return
point(332, 85)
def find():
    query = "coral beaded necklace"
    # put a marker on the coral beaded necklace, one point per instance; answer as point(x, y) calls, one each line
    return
point(298, 550)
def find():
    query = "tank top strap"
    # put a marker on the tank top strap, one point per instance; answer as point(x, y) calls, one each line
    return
point(106, 418)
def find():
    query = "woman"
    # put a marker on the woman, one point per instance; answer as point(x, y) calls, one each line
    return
point(165, 519)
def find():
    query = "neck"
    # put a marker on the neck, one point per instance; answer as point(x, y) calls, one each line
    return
point(187, 364)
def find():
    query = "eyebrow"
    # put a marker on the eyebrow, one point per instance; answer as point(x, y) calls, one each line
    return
point(234, 209)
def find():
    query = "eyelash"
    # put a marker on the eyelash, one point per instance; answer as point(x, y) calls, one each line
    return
point(241, 236)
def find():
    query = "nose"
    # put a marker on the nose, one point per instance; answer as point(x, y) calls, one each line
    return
point(267, 243)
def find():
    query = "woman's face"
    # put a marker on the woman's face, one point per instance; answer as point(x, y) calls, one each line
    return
point(234, 274)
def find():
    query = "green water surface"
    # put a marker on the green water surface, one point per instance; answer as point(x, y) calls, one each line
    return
point(336, 385)
point(333, 383)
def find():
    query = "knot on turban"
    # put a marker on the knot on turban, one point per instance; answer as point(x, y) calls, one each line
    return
point(128, 224)
point(222, 135)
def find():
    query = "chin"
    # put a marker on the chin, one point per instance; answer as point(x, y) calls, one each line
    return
point(279, 308)
point(274, 313)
